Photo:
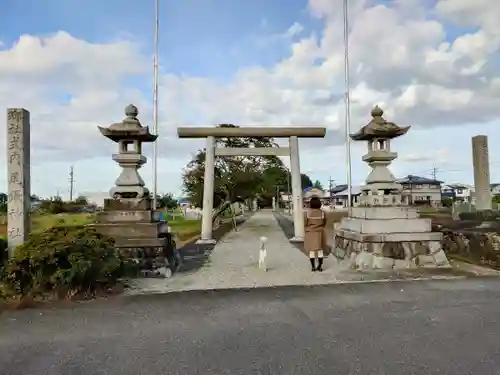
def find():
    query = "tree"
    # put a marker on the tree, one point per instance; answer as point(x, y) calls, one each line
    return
point(237, 178)
point(167, 201)
point(81, 200)
point(53, 205)
point(317, 185)
point(306, 181)
point(3, 202)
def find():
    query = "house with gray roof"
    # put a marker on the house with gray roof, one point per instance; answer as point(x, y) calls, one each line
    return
point(421, 191)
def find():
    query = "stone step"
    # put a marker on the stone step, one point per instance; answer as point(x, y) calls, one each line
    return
point(140, 242)
point(126, 204)
point(386, 226)
point(124, 216)
point(370, 213)
point(132, 230)
point(389, 237)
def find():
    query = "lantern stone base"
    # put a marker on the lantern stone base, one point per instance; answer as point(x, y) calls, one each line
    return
point(388, 238)
point(139, 235)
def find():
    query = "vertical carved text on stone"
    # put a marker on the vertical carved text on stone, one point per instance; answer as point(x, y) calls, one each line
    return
point(480, 160)
point(18, 175)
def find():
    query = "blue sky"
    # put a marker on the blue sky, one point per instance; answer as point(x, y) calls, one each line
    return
point(217, 42)
point(225, 33)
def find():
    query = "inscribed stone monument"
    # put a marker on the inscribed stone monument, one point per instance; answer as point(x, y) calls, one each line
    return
point(481, 163)
point(18, 176)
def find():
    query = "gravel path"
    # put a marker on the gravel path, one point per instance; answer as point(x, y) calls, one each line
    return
point(233, 263)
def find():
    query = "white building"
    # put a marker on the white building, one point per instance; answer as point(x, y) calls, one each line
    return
point(459, 192)
point(340, 195)
point(421, 191)
point(96, 198)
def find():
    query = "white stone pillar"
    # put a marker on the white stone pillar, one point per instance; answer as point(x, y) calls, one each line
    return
point(208, 194)
point(18, 176)
point(274, 203)
point(298, 205)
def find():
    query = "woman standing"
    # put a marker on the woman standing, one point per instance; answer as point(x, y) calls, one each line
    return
point(314, 241)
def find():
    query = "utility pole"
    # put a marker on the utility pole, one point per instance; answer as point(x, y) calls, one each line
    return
point(155, 105)
point(289, 200)
point(276, 203)
point(71, 183)
point(434, 173)
point(330, 187)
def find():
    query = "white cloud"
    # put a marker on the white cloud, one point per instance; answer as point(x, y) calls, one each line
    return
point(400, 58)
point(439, 156)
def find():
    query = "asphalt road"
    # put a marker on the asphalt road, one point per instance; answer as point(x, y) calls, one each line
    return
point(435, 327)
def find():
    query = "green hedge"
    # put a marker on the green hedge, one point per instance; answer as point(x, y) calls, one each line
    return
point(486, 215)
point(62, 260)
point(3, 251)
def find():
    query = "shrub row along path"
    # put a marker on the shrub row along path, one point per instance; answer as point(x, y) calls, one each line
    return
point(233, 263)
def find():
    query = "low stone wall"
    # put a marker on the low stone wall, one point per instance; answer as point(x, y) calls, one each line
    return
point(479, 246)
point(471, 240)
point(388, 255)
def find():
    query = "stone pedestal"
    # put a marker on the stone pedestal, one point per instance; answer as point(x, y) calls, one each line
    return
point(387, 238)
point(381, 233)
point(132, 223)
point(138, 232)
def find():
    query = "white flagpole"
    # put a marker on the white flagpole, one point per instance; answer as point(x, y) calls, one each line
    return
point(347, 104)
point(155, 107)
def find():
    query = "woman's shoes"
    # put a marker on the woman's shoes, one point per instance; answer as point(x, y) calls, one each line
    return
point(320, 265)
point(312, 264)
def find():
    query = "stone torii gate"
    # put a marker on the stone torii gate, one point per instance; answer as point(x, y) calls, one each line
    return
point(293, 133)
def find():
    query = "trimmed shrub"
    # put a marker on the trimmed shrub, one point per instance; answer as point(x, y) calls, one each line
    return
point(486, 215)
point(63, 260)
point(3, 252)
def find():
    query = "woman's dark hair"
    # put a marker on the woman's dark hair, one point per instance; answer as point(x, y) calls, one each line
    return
point(315, 202)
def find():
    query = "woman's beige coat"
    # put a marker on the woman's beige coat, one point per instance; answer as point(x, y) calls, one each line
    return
point(314, 223)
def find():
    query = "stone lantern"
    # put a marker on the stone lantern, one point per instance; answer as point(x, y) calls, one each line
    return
point(381, 232)
point(381, 188)
point(128, 217)
point(129, 135)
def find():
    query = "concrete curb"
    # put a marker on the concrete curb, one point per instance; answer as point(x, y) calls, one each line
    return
point(339, 282)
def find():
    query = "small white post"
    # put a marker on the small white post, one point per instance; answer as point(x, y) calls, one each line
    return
point(208, 194)
point(298, 205)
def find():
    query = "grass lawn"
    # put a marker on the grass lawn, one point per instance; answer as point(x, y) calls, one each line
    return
point(184, 229)
point(40, 222)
